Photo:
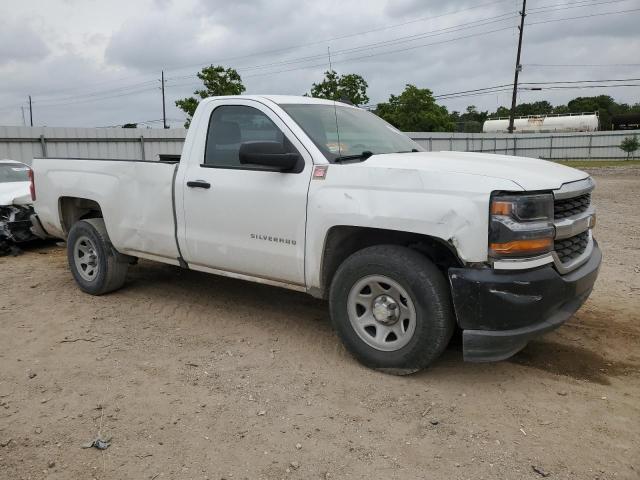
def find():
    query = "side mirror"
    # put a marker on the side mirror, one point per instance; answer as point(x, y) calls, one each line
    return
point(269, 154)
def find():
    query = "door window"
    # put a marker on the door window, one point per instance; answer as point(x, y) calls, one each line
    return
point(230, 126)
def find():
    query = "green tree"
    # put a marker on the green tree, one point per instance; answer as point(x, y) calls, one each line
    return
point(217, 81)
point(525, 109)
point(339, 87)
point(629, 145)
point(605, 105)
point(471, 121)
point(415, 110)
point(130, 125)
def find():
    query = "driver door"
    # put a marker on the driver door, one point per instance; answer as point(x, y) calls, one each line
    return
point(245, 219)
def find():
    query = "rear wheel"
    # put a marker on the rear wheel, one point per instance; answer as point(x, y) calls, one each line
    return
point(392, 309)
point(96, 266)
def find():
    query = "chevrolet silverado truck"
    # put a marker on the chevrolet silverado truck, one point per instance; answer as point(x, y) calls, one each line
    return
point(326, 198)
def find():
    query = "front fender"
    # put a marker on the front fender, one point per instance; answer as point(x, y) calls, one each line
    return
point(450, 207)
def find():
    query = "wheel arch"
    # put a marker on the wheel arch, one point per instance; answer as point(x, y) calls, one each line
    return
point(72, 209)
point(342, 241)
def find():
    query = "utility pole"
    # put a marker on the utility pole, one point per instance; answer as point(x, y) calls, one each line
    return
point(518, 68)
point(30, 111)
point(164, 112)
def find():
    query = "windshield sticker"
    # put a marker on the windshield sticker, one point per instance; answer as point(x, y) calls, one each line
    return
point(337, 148)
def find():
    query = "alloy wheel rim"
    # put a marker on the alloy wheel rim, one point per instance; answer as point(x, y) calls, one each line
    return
point(86, 259)
point(381, 313)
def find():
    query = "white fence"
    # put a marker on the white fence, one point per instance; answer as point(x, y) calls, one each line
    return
point(550, 146)
point(25, 143)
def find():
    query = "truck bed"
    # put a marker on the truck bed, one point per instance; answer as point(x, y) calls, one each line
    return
point(136, 199)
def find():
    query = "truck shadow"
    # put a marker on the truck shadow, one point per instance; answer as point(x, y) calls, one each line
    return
point(299, 315)
point(572, 361)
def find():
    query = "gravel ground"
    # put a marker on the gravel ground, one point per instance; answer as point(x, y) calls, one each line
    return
point(194, 376)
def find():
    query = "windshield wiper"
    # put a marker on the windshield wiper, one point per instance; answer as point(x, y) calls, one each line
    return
point(362, 157)
point(413, 150)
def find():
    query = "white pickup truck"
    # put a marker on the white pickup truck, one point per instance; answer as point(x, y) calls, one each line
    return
point(329, 199)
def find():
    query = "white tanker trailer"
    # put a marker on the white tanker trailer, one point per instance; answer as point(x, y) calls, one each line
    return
point(574, 122)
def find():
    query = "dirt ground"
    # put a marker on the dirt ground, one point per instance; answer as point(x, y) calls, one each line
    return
point(195, 376)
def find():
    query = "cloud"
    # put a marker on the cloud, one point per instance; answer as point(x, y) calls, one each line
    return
point(19, 43)
point(280, 46)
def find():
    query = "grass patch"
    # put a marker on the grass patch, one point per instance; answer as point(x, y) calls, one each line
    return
point(600, 163)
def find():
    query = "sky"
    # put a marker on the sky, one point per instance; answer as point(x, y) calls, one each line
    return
point(98, 63)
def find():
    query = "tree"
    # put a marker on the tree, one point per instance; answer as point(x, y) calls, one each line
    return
point(630, 145)
point(525, 109)
point(603, 104)
point(130, 125)
point(217, 81)
point(415, 110)
point(471, 121)
point(339, 87)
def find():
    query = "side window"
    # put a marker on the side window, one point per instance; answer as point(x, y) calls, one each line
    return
point(230, 126)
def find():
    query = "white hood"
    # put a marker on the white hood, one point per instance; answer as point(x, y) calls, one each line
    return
point(15, 193)
point(529, 173)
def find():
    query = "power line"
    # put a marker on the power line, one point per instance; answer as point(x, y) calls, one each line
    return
point(569, 6)
point(342, 37)
point(584, 81)
point(403, 39)
point(572, 65)
point(100, 92)
point(451, 29)
point(474, 90)
point(131, 89)
point(583, 3)
point(355, 59)
point(601, 14)
point(558, 87)
point(398, 40)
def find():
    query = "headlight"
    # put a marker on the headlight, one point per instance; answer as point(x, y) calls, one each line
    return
point(521, 225)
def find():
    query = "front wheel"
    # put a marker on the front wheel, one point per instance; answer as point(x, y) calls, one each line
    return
point(96, 266)
point(392, 309)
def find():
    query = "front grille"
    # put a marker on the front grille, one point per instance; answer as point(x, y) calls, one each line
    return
point(572, 247)
point(571, 206)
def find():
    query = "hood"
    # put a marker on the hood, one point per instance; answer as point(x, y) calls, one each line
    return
point(529, 173)
point(17, 193)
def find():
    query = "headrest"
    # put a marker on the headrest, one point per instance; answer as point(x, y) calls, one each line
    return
point(226, 133)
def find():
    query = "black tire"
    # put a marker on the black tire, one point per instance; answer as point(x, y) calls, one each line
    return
point(427, 289)
point(112, 266)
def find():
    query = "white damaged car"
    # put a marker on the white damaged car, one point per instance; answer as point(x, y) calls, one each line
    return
point(15, 205)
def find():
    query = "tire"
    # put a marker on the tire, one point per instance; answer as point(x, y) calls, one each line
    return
point(96, 266)
point(422, 320)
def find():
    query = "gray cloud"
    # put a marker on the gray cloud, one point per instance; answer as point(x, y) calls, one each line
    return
point(181, 37)
point(20, 43)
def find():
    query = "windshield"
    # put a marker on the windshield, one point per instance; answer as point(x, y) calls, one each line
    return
point(358, 130)
point(13, 172)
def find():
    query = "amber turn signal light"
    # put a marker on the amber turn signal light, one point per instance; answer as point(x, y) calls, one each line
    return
point(517, 247)
point(501, 208)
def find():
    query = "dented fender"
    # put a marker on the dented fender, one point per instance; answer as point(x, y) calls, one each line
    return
point(450, 207)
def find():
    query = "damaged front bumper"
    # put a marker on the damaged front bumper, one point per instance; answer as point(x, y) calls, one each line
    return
point(500, 311)
point(15, 226)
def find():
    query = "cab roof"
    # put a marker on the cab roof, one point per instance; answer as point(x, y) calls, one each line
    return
point(286, 99)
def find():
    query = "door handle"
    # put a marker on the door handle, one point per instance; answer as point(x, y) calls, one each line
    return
point(198, 184)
